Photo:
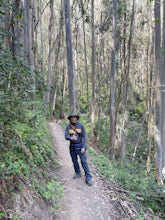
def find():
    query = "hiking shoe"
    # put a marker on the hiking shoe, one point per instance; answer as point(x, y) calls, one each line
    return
point(89, 182)
point(76, 176)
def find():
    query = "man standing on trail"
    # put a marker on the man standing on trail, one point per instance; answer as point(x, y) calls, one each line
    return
point(76, 134)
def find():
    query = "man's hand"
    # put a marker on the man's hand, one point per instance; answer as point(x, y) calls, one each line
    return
point(74, 137)
point(83, 150)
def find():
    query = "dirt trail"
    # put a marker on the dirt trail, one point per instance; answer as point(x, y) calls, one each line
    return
point(81, 202)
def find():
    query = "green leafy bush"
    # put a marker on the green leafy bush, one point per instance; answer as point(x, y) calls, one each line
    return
point(26, 149)
point(52, 191)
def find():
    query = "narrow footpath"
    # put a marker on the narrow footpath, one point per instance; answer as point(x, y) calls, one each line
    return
point(80, 202)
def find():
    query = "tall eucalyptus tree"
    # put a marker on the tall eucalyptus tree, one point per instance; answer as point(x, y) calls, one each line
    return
point(49, 78)
point(85, 52)
point(162, 156)
point(112, 83)
point(93, 66)
point(126, 79)
point(72, 105)
point(160, 86)
point(158, 82)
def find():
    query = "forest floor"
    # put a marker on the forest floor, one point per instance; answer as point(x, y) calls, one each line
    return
point(102, 201)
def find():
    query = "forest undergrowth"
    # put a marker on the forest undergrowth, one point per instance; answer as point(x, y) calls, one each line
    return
point(27, 156)
point(131, 177)
point(26, 150)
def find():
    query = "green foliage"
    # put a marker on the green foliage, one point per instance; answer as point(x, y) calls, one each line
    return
point(25, 143)
point(157, 19)
point(2, 214)
point(51, 191)
point(104, 164)
point(83, 104)
point(53, 188)
point(139, 107)
point(133, 177)
point(15, 218)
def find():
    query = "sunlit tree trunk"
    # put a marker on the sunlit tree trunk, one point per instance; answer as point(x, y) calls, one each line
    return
point(85, 55)
point(75, 43)
point(149, 106)
point(63, 92)
point(63, 71)
point(124, 84)
point(157, 89)
point(49, 54)
point(162, 86)
point(57, 68)
point(93, 67)
point(35, 34)
point(112, 84)
point(150, 95)
point(41, 39)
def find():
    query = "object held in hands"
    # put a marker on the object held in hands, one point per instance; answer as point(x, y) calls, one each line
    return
point(74, 137)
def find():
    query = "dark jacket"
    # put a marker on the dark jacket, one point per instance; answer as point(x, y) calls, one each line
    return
point(80, 133)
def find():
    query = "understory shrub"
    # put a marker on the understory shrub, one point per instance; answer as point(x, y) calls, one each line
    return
point(134, 179)
point(26, 149)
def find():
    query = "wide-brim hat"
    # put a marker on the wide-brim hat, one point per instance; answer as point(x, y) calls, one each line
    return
point(73, 115)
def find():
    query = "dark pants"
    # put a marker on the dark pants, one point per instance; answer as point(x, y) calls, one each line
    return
point(75, 152)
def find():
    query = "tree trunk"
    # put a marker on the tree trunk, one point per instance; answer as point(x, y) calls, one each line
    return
point(49, 54)
point(15, 29)
point(71, 82)
point(93, 68)
point(150, 121)
point(126, 85)
point(162, 86)
point(41, 40)
point(29, 39)
point(76, 33)
point(85, 55)
point(157, 91)
point(112, 85)
point(8, 27)
point(63, 92)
